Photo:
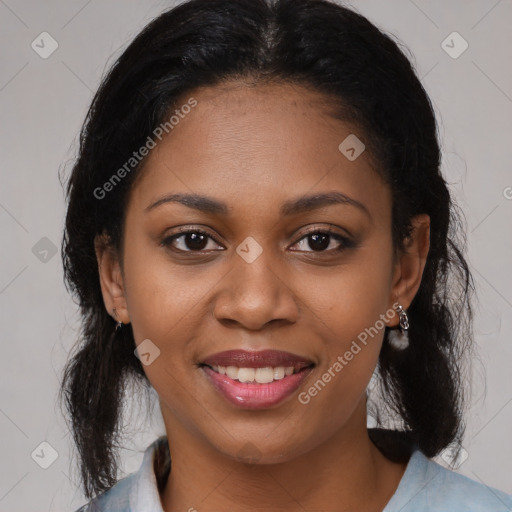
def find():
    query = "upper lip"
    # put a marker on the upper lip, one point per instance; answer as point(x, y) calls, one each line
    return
point(257, 359)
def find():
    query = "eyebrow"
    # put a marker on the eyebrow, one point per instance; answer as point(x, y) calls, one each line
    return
point(292, 207)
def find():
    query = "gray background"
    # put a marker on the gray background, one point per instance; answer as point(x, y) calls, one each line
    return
point(42, 106)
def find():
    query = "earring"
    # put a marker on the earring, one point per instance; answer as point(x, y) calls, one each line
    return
point(398, 337)
point(119, 324)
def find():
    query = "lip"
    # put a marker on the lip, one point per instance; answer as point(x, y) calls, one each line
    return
point(254, 395)
point(257, 359)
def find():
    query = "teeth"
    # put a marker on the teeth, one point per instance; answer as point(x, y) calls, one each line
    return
point(246, 374)
point(259, 375)
point(280, 371)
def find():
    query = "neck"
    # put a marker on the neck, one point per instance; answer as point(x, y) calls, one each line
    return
point(344, 473)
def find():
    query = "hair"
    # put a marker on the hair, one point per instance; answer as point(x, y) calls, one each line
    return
point(366, 77)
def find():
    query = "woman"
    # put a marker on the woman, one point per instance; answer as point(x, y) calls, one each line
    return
point(257, 224)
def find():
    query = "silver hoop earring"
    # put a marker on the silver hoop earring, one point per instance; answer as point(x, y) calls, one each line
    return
point(398, 337)
point(119, 324)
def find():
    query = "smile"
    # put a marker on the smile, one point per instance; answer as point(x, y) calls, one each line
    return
point(256, 388)
point(257, 375)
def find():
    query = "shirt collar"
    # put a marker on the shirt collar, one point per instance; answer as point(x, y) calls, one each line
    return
point(144, 494)
point(417, 476)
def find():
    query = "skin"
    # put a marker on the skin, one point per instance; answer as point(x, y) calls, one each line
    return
point(255, 148)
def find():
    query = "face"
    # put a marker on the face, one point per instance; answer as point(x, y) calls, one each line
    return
point(260, 270)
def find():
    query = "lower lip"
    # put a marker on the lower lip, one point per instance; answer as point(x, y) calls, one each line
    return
point(254, 395)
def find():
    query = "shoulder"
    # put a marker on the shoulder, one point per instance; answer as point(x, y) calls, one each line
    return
point(115, 499)
point(138, 491)
point(428, 486)
point(461, 492)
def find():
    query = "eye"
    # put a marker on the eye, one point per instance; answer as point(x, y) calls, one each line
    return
point(322, 239)
point(193, 240)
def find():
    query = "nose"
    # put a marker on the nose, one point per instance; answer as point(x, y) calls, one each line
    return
point(256, 293)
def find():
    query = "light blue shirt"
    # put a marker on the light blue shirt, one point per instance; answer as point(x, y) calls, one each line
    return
point(426, 486)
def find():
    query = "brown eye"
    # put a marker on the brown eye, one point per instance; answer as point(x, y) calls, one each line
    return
point(190, 240)
point(321, 240)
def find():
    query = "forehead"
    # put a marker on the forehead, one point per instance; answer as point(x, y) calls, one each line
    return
point(259, 144)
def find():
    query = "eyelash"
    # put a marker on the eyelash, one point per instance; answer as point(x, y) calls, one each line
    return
point(346, 243)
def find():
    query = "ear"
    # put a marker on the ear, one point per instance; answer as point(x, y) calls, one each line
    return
point(410, 263)
point(111, 279)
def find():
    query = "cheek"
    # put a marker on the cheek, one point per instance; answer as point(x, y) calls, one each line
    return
point(348, 311)
point(169, 305)
point(166, 303)
point(351, 297)
point(161, 295)
point(158, 304)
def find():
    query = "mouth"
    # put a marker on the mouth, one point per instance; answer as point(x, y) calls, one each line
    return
point(256, 380)
point(259, 375)
point(257, 359)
